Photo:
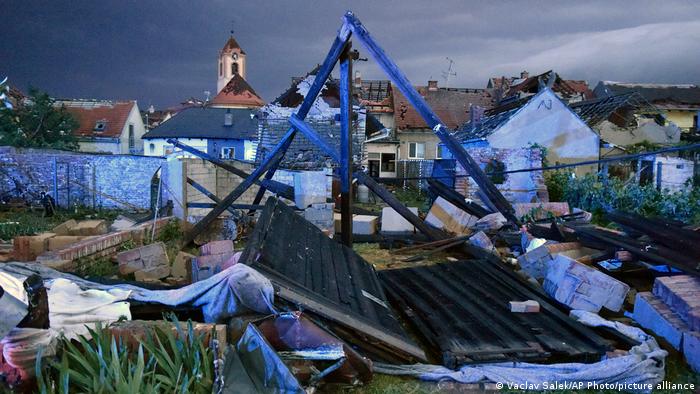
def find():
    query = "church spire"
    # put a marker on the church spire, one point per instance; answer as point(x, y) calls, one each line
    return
point(232, 60)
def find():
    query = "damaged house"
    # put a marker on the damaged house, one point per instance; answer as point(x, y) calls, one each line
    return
point(543, 120)
point(324, 116)
point(679, 104)
point(512, 89)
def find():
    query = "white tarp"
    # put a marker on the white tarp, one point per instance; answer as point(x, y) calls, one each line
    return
point(639, 371)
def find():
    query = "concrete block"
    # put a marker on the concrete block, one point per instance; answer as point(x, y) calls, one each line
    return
point(491, 222)
point(309, 188)
point(121, 223)
point(65, 227)
point(691, 349)
point(152, 273)
point(208, 265)
point(89, 227)
point(536, 261)
point(682, 294)
point(529, 306)
point(582, 287)
point(181, 264)
point(216, 247)
point(61, 241)
point(28, 247)
point(482, 240)
point(364, 224)
point(392, 222)
point(448, 217)
point(154, 255)
point(148, 256)
point(652, 314)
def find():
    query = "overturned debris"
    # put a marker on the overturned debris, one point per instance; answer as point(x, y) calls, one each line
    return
point(462, 310)
point(326, 278)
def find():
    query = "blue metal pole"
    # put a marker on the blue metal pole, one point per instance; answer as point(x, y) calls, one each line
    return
point(433, 121)
point(345, 170)
point(271, 163)
point(321, 76)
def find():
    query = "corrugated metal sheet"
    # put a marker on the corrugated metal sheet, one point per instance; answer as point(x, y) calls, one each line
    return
point(462, 311)
point(328, 279)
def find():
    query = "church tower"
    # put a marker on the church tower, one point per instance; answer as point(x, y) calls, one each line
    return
point(231, 62)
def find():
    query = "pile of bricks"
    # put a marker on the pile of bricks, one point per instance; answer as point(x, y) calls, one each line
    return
point(214, 257)
point(147, 263)
point(672, 311)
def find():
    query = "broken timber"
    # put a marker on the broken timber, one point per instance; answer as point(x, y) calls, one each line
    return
point(279, 188)
point(269, 165)
point(352, 26)
point(327, 279)
point(456, 199)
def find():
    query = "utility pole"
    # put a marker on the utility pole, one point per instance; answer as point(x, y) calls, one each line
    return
point(449, 73)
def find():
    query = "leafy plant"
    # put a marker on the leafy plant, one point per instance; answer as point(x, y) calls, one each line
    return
point(602, 195)
point(38, 124)
point(163, 362)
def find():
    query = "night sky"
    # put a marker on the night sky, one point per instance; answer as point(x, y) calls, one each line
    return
point(162, 52)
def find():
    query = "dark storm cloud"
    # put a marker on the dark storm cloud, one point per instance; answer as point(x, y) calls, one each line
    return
point(164, 52)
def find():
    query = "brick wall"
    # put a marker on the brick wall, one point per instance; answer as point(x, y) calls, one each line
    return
point(519, 187)
point(217, 181)
point(99, 180)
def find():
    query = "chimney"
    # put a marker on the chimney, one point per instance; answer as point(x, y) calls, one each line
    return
point(358, 80)
point(524, 74)
point(228, 118)
point(432, 86)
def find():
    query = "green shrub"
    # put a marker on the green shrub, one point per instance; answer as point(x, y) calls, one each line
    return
point(596, 195)
point(99, 363)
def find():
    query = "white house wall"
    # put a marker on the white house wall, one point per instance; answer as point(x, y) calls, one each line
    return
point(547, 121)
point(159, 145)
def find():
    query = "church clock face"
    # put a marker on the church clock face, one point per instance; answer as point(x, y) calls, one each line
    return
point(234, 56)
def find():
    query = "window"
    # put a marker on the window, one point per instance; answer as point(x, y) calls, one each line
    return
point(101, 125)
point(221, 69)
point(132, 140)
point(373, 156)
point(416, 150)
point(152, 147)
point(234, 68)
point(438, 151)
point(388, 162)
point(228, 153)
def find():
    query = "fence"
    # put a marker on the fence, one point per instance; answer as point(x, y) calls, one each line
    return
point(414, 169)
point(78, 179)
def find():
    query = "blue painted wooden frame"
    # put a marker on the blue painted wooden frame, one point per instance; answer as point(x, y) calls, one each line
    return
point(433, 121)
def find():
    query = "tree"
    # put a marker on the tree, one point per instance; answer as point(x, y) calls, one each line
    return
point(37, 123)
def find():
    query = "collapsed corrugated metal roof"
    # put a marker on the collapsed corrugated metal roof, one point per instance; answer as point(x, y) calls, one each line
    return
point(329, 279)
point(462, 310)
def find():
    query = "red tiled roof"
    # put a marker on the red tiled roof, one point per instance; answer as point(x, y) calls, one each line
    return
point(239, 93)
point(232, 44)
point(113, 114)
point(450, 105)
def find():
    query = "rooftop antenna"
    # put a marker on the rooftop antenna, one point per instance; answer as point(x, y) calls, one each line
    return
point(449, 73)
